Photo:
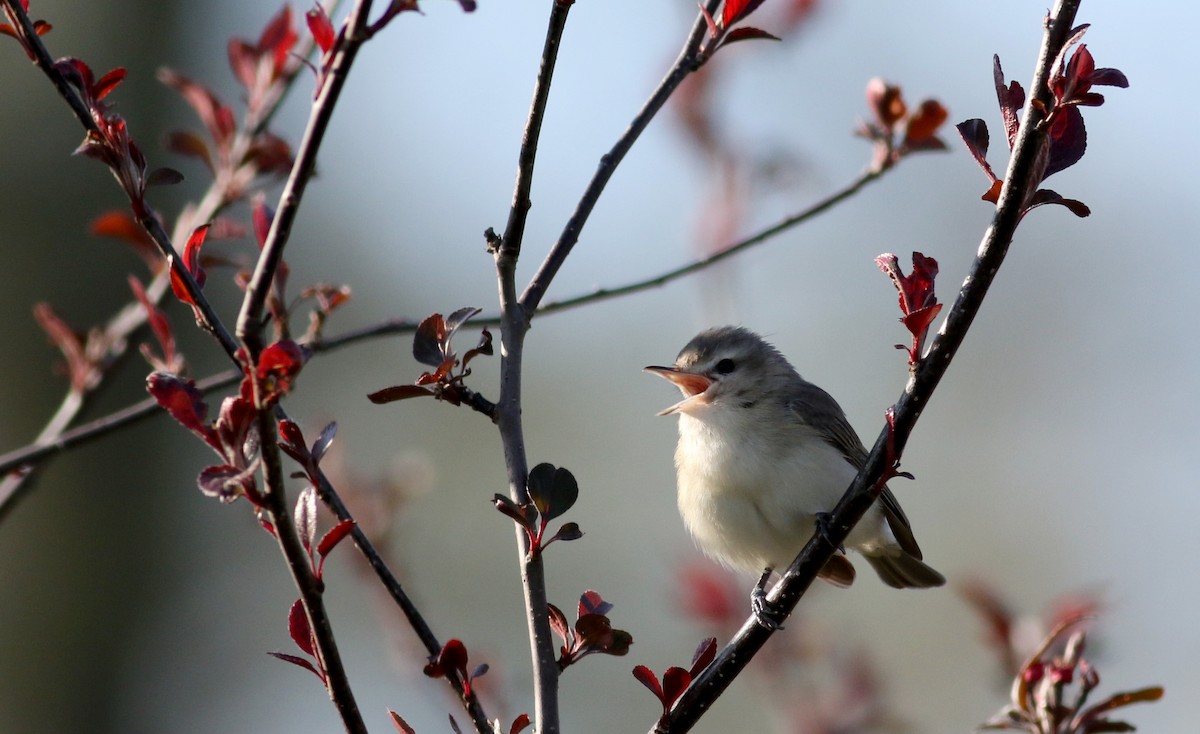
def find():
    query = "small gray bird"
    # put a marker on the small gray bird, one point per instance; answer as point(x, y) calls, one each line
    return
point(763, 454)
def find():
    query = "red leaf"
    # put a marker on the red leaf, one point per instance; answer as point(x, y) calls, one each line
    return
point(428, 340)
point(277, 368)
point(243, 59)
point(191, 261)
point(1068, 140)
point(705, 653)
point(924, 123)
point(591, 603)
point(119, 224)
point(974, 133)
point(335, 535)
point(746, 33)
point(558, 623)
point(674, 682)
point(81, 370)
point(158, 324)
point(735, 10)
point(107, 83)
point(887, 102)
point(185, 142)
point(398, 392)
point(519, 724)
point(184, 401)
point(321, 28)
point(301, 662)
point(218, 119)
point(918, 321)
point(648, 679)
point(278, 38)
point(453, 657)
point(1011, 98)
point(299, 629)
point(293, 438)
point(261, 217)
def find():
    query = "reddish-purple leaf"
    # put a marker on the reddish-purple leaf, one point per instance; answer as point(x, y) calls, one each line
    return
point(558, 623)
point(293, 437)
point(552, 489)
point(400, 724)
point(158, 323)
point(217, 118)
point(453, 657)
point(261, 217)
point(398, 392)
point(519, 724)
point(706, 651)
point(674, 682)
point(594, 630)
point(107, 83)
point(918, 321)
point(270, 154)
point(746, 33)
point(299, 629)
point(650, 680)
point(454, 724)
point(278, 38)
point(225, 482)
point(321, 28)
point(974, 133)
point(335, 535)
point(1011, 98)
point(428, 340)
point(186, 142)
point(297, 660)
point(568, 531)
point(590, 602)
point(119, 224)
point(163, 176)
point(1068, 140)
point(184, 401)
point(1046, 196)
point(306, 517)
point(458, 318)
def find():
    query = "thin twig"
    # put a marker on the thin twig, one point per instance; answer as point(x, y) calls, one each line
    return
point(507, 415)
point(690, 59)
point(1020, 180)
point(249, 321)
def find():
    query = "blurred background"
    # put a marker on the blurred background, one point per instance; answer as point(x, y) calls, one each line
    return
point(1054, 461)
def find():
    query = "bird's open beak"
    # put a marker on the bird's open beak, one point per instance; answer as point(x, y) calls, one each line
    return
point(692, 386)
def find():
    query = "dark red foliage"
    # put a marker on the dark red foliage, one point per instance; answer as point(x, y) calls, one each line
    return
point(120, 225)
point(191, 262)
point(592, 632)
point(81, 354)
point(431, 346)
point(171, 360)
point(918, 302)
point(452, 661)
point(735, 11)
point(1070, 84)
point(277, 368)
point(896, 131)
point(321, 28)
point(257, 65)
point(16, 29)
point(184, 401)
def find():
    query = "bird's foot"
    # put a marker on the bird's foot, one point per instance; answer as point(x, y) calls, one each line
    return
point(769, 618)
point(823, 521)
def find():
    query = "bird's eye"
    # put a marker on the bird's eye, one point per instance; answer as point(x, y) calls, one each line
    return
point(725, 366)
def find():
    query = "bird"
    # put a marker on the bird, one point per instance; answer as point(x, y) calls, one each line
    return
point(763, 456)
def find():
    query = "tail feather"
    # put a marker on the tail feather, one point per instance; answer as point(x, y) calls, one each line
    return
point(902, 571)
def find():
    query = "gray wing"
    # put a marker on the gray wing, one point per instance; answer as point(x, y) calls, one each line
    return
point(816, 407)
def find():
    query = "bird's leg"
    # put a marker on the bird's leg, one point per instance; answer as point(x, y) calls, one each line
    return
point(767, 617)
point(822, 520)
